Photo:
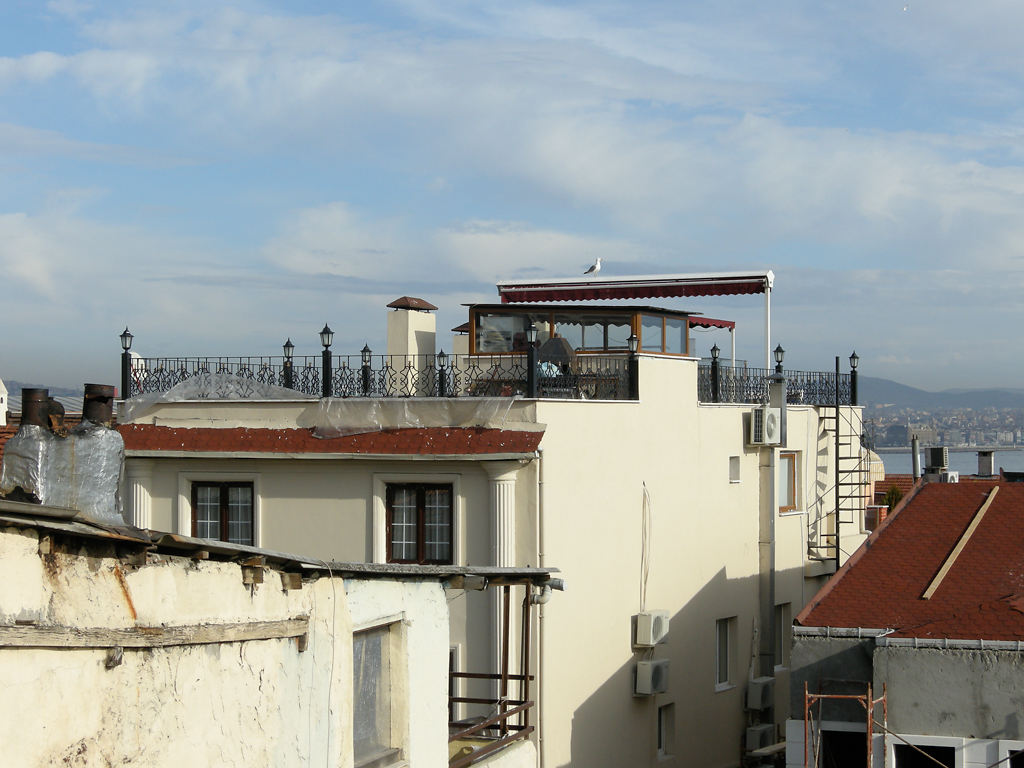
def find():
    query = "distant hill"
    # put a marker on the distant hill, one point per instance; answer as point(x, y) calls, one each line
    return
point(877, 392)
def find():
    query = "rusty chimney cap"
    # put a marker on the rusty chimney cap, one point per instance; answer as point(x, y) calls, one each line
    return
point(411, 302)
point(98, 404)
point(35, 406)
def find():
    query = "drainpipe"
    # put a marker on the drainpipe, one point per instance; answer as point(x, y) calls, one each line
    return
point(915, 457)
point(541, 557)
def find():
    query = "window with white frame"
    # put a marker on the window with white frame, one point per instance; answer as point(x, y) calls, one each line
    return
point(734, 469)
point(376, 739)
point(789, 489)
point(419, 523)
point(724, 642)
point(223, 511)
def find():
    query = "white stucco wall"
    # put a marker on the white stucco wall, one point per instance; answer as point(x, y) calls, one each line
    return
point(257, 702)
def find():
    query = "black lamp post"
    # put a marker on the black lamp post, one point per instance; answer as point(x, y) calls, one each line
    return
point(289, 348)
point(366, 353)
point(442, 374)
point(779, 354)
point(531, 361)
point(854, 360)
point(126, 363)
point(716, 381)
point(634, 367)
point(326, 337)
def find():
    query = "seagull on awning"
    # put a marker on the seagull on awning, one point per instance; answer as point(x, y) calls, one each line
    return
point(594, 268)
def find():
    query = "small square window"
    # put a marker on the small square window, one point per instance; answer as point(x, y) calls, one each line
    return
point(734, 469)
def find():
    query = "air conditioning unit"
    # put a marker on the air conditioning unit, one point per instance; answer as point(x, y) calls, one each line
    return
point(650, 677)
point(949, 476)
point(651, 628)
point(759, 736)
point(761, 693)
point(765, 426)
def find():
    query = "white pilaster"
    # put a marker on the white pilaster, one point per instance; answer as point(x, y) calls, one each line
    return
point(503, 511)
point(139, 480)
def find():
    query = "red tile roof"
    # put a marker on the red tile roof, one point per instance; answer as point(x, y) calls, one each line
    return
point(438, 441)
point(980, 597)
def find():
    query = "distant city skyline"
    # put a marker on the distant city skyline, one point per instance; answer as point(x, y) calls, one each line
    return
point(222, 177)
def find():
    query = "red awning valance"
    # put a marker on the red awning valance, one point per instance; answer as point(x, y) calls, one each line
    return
point(708, 322)
point(642, 287)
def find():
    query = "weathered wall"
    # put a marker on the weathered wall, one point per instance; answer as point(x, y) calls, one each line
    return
point(942, 692)
point(823, 661)
point(256, 702)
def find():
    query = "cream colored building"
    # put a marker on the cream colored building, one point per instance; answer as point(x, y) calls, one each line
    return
point(660, 505)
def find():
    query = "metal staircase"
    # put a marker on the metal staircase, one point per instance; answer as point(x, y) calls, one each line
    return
point(843, 475)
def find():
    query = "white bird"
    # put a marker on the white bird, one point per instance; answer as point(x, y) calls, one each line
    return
point(594, 268)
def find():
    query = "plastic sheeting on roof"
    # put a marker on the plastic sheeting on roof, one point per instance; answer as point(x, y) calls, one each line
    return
point(352, 416)
point(210, 386)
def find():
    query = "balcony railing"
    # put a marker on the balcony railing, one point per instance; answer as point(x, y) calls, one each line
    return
point(589, 377)
point(750, 385)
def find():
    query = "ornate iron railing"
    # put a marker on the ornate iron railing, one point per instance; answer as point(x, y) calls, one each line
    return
point(604, 377)
point(750, 385)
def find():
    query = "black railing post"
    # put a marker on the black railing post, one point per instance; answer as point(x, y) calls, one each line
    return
point(289, 375)
point(327, 374)
point(853, 387)
point(531, 371)
point(716, 381)
point(442, 374)
point(366, 356)
point(634, 376)
point(126, 378)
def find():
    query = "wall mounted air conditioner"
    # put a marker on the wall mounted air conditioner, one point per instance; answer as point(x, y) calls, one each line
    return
point(761, 693)
point(650, 677)
point(949, 476)
point(651, 628)
point(765, 426)
point(759, 736)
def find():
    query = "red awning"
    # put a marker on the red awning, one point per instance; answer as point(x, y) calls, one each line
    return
point(708, 322)
point(652, 286)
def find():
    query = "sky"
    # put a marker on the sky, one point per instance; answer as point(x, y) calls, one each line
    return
point(219, 177)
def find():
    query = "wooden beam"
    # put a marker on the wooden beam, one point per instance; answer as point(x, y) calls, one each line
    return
point(946, 566)
point(37, 636)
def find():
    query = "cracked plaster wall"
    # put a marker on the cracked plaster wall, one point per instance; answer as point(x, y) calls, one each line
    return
point(258, 702)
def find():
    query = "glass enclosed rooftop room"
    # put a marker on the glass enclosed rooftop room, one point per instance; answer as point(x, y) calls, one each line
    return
point(496, 329)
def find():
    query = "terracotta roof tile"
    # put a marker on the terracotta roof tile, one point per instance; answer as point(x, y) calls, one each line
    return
point(430, 441)
point(981, 595)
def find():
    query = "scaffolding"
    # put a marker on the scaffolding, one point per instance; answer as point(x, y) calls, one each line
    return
point(812, 732)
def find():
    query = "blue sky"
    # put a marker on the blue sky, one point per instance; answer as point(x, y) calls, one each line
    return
point(221, 176)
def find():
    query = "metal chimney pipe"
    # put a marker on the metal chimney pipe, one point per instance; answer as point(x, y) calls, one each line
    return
point(98, 404)
point(915, 454)
point(35, 407)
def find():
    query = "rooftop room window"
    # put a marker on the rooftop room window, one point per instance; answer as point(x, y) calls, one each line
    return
point(501, 330)
point(419, 523)
point(223, 511)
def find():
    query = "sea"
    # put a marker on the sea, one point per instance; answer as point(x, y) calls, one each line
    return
point(962, 460)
